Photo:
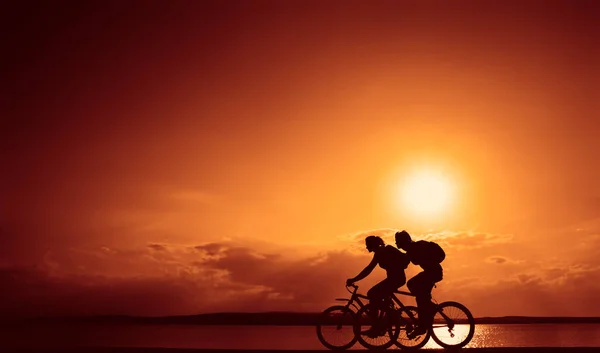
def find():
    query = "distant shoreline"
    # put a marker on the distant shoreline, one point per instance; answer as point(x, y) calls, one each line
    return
point(271, 319)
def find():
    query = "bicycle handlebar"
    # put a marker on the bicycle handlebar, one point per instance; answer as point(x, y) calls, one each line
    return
point(351, 286)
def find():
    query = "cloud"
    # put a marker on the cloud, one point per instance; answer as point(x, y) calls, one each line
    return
point(497, 260)
point(34, 292)
point(356, 241)
point(169, 279)
point(157, 247)
point(306, 280)
point(461, 240)
point(211, 249)
point(542, 290)
point(455, 239)
point(502, 260)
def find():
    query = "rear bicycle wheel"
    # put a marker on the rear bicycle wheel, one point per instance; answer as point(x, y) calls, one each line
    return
point(390, 321)
point(408, 322)
point(335, 328)
point(453, 325)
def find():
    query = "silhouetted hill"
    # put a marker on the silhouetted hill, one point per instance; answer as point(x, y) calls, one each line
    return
point(285, 319)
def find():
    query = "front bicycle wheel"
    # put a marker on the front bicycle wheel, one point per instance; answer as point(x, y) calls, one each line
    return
point(335, 327)
point(389, 320)
point(453, 325)
point(408, 322)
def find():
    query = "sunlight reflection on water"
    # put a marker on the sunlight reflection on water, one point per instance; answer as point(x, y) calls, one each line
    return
point(459, 332)
point(533, 335)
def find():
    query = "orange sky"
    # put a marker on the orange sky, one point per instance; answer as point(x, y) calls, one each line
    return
point(214, 157)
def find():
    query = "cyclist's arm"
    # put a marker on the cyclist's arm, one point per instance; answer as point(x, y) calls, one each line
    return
point(366, 271)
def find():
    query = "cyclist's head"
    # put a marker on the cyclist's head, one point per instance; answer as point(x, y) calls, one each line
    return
point(373, 242)
point(403, 239)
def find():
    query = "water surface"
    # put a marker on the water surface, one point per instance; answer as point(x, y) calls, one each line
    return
point(272, 337)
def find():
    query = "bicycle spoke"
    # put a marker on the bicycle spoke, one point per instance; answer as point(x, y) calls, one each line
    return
point(336, 328)
point(453, 325)
point(408, 322)
point(388, 335)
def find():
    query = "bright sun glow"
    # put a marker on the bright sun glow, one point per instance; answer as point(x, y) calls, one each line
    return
point(426, 193)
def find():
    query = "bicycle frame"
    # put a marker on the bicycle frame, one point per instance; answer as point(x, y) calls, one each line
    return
point(450, 322)
point(398, 301)
point(354, 298)
point(401, 305)
point(356, 304)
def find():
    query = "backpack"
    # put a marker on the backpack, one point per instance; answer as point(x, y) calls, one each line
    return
point(436, 252)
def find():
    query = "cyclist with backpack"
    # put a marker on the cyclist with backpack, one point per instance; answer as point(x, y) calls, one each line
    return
point(428, 255)
point(394, 262)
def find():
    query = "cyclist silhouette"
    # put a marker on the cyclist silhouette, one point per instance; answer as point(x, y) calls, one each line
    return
point(428, 255)
point(394, 262)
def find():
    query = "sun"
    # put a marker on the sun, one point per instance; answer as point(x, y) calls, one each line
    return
point(427, 193)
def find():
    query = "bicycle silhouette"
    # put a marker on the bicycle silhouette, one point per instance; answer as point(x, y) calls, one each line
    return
point(453, 324)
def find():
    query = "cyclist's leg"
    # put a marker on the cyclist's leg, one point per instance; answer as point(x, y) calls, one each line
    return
point(421, 286)
point(396, 281)
point(380, 296)
point(413, 283)
point(376, 296)
point(434, 275)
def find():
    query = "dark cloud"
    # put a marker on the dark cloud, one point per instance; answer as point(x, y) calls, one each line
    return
point(496, 260)
point(171, 279)
point(525, 278)
point(157, 247)
point(34, 292)
point(211, 249)
point(569, 290)
point(223, 276)
point(307, 280)
point(505, 261)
